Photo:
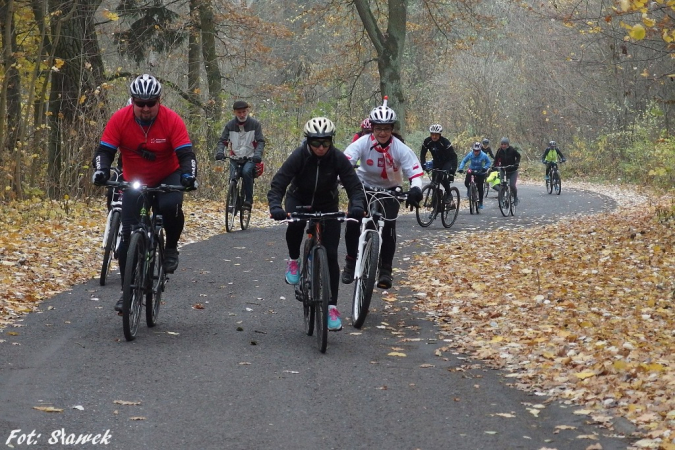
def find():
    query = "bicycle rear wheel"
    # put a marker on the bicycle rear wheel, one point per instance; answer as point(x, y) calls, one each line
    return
point(557, 183)
point(504, 200)
point(363, 288)
point(512, 200)
point(110, 245)
point(321, 295)
point(153, 298)
point(449, 215)
point(244, 214)
point(308, 308)
point(134, 283)
point(473, 198)
point(426, 213)
point(231, 205)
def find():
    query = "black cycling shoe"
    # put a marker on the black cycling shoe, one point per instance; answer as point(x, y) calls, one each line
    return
point(348, 271)
point(384, 282)
point(246, 205)
point(170, 260)
point(120, 304)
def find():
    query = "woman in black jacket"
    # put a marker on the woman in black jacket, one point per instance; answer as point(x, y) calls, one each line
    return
point(309, 177)
point(508, 156)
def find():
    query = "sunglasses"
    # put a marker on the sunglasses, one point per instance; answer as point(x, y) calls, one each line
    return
point(149, 103)
point(316, 143)
point(382, 130)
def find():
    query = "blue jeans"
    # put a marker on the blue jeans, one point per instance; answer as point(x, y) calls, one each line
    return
point(247, 173)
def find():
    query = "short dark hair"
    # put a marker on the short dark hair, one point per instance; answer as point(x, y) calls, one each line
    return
point(240, 104)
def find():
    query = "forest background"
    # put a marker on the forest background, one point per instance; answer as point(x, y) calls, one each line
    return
point(597, 77)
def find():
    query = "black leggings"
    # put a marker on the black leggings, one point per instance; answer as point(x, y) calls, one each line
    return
point(330, 240)
point(353, 231)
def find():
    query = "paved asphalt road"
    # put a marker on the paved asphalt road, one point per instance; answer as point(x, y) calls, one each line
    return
point(241, 374)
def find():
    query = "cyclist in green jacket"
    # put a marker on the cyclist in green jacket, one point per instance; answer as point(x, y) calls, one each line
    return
point(550, 157)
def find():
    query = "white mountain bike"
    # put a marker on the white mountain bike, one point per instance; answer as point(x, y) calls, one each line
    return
point(370, 242)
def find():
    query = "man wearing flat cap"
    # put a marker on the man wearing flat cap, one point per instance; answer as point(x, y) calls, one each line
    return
point(242, 137)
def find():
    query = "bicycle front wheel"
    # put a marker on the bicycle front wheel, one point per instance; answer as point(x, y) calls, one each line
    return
point(549, 184)
point(153, 298)
point(231, 205)
point(426, 213)
point(557, 184)
point(486, 189)
point(110, 245)
point(363, 288)
point(473, 198)
point(321, 295)
point(134, 283)
point(308, 308)
point(451, 208)
point(504, 200)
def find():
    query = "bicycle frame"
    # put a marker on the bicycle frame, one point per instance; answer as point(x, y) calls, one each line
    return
point(373, 223)
point(315, 310)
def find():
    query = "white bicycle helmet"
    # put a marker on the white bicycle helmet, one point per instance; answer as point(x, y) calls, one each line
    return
point(436, 128)
point(552, 144)
point(145, 87)
point(319, 127)
point(475, 146)
point(383, 114)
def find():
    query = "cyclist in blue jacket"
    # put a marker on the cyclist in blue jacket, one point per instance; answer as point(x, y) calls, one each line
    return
point(479, 163)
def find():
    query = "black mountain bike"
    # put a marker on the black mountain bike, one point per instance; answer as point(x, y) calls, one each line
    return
point(144, 275)
point(506, 198)
point(435, 201)
point(473, 191)
point(235, 197)
point(313, 289)
point(553, 182)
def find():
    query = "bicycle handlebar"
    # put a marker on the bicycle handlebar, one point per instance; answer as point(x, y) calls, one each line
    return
point(301, 216)
point(395, 192)
point(145, 188)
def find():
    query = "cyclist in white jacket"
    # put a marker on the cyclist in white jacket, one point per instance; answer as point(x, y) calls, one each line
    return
point(385, 160)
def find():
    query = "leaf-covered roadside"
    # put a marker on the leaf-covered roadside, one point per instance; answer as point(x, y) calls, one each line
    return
point(581, 310)
point(47, 247)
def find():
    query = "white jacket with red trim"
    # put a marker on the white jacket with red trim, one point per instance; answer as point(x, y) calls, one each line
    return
point(384, 167)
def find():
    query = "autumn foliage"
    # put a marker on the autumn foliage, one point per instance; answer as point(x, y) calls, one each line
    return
point(581, 310)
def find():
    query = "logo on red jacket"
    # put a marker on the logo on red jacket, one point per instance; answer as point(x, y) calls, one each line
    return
point(369, 162)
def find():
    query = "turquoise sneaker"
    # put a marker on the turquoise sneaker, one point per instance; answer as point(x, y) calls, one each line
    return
point(334, 322)
point(292, 272)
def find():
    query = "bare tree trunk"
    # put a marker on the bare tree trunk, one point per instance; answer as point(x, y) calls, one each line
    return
point(214, 106)
point(72, 87)
point(10, 103)
point(389, 47)
point(194, 60)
